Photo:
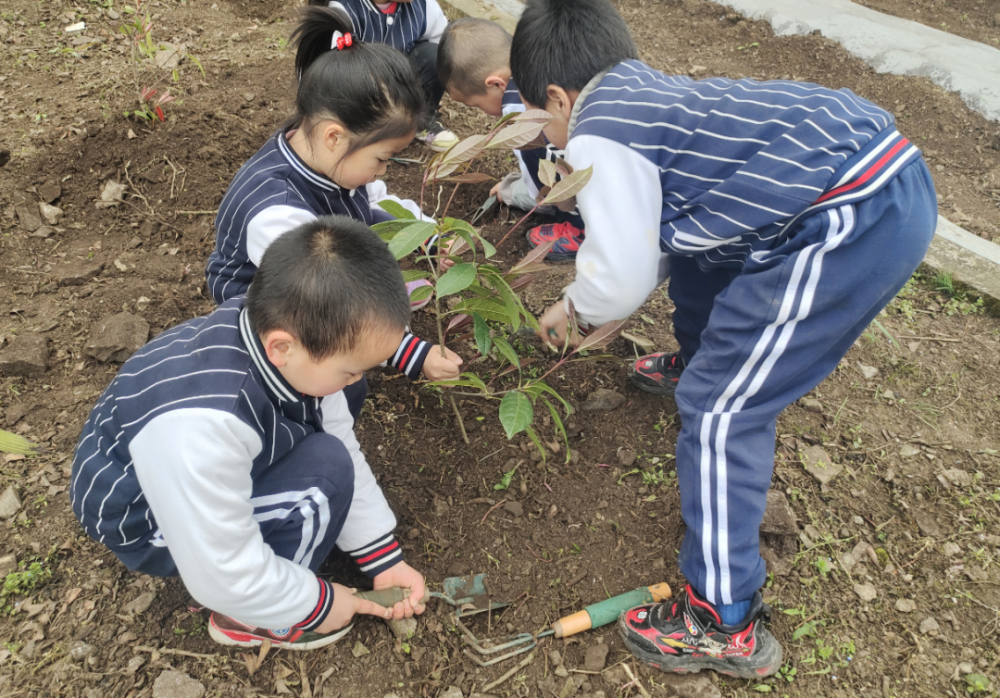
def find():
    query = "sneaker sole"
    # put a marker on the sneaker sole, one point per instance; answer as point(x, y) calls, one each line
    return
point(657, 389)
point(766, 663)
point(223, 639)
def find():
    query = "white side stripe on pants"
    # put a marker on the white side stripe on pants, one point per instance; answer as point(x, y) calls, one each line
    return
point(304, 502)
point(840, 226)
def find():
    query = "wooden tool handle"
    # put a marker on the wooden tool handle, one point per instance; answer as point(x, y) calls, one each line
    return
point(607, 611)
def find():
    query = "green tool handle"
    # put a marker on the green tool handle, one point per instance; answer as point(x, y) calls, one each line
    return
point(387, 598)
point(607, 611)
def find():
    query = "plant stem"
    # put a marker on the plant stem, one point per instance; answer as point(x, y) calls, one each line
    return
point(504, 238)
point(447, 206)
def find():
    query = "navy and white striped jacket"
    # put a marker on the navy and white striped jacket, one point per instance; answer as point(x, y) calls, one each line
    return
point(401, 26)
point(232, 416)
point(274, 192)
point(714, 169)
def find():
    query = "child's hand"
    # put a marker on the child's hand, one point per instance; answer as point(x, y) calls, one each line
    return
point(445, 264)
point(441, 368)
point(553, 325)
point(496, 189)
point(346, 605)
point(402, 575)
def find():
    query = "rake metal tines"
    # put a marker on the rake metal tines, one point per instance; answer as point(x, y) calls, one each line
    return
point(517, 644)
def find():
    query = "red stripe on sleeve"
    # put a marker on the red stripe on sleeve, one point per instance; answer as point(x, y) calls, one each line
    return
point(378, 553)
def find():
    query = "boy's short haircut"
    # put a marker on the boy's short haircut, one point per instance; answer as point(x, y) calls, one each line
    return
point(328, 283)
point(469, 51)
point(566, 43)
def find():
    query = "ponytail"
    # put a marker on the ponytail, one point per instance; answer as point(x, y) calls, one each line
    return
point(371, 89)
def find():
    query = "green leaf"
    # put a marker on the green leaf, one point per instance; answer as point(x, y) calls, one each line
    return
point(396, 210)
point(482, 333)
point(542, 385)
point(557, 420)
point(421, 293)
point(410, 238)
point(504, 347)
point(569, 186)
point(977, 682)
point(456, 279)
point(806, 629)
point(414, 275)
point(14, 443)
point(506, 479)
point(538, 442)
point(516, 413)
point(762, 688)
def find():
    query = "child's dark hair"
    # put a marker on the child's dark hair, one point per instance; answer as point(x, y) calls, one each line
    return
point(566, 43)
point(328, 283)
point(371, 89)
point(469, 51)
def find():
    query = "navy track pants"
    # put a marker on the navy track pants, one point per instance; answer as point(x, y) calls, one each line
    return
point(758, 339)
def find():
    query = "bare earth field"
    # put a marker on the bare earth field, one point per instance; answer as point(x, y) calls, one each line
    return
point(884, 581)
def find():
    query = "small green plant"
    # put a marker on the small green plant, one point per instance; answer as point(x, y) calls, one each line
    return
point(506, 479)
point(14, 443)
point(145, 60)
point(484, 292)
point(27, 580)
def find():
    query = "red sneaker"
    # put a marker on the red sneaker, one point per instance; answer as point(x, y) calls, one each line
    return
point(231, 632)
point(658, 373)
point(567, 240)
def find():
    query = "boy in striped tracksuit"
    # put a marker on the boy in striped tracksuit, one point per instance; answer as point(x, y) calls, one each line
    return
point(208, 456)
point(474, 67)
point(791, 215)
point(413, 27)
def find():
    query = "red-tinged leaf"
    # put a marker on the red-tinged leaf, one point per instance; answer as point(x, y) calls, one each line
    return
point(521, 281)
point(443, 170)
point(534, 256)
point(159, 113)
point(539, 142)
point(547, 172)
point(457, 323)
point(516, 135)
point(166, 97)
point(534, 115)
point(465, 150)
point(468, 178)
point(533, 268)
point(147, 93)
point(569, 186)
point(602, 336)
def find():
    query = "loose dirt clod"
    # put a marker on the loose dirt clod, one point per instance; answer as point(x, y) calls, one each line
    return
point(27, 355)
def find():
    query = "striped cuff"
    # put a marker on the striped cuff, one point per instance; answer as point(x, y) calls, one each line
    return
point(323, 606)
point(409, 358)
point(378, 556)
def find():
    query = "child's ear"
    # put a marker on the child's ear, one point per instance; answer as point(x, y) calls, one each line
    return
point(278, 345)
point(497, 82)
point(334, 135)
point(560, 102)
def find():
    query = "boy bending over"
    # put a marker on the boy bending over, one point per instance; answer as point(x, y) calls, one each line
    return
point(474, 66)
point(206, 456)
point(791, 214)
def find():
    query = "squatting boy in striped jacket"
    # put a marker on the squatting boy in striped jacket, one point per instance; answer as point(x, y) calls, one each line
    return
point(207, 455)
point(791, 214)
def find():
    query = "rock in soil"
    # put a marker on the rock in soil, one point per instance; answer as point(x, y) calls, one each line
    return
point(77, 272)
point(173, 684)
point(359, 650)
point(27, 355)
point(603, 400)
point(866, 592)
point(908, 451)
point(28, 216)
point(626, 457)
point(50, 214)
point(779, 519)
point(117, 338)
point(80, 651)
point(696, 686)
point(10, 503)
point(958, 477)
point(906, 606)
point(812, 404)
point(8, 564)
point(451, 692)
point(515, 509)
point(49, 192)
point(818, 463)
point(926, 523)
point(929, 625)
point(596, 658)
point(139, 604)
point(404, 628)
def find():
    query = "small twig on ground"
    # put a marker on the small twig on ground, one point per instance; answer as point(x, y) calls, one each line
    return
point(196, 213)
point(520, 665)
point(179, 653)
point(635, 681)
point(495, 506)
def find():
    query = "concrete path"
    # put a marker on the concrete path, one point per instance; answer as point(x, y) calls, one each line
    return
point(891, 45)
point(888, 44)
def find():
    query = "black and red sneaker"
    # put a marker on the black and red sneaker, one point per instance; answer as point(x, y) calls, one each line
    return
point(686, 635)
point(567, 239)
point(658, 373)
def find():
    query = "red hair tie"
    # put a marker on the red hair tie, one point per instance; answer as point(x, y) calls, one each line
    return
point(344, 41)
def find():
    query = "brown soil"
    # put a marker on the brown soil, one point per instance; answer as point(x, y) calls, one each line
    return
point(918, 529)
